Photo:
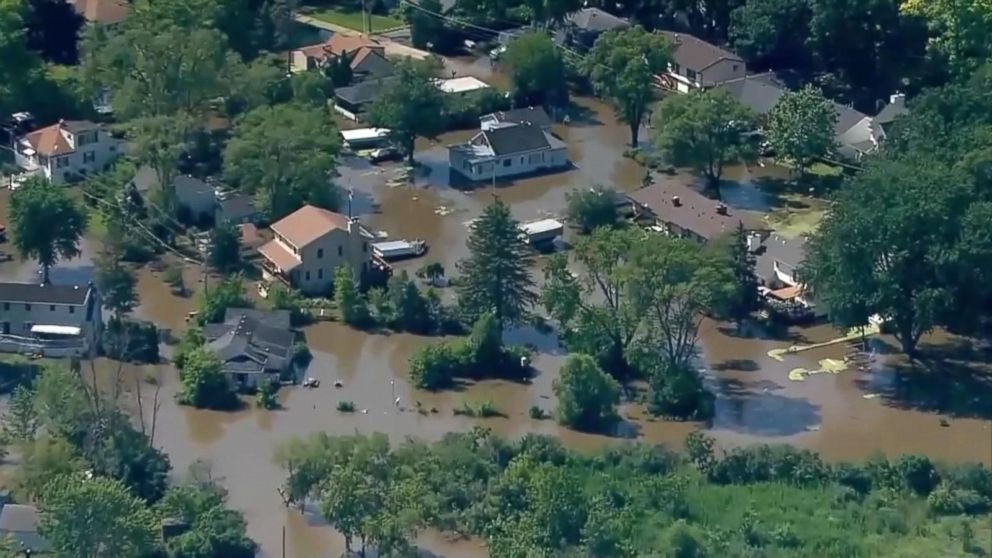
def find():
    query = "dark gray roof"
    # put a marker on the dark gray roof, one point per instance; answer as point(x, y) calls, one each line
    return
point(252, 341)
point(788, 252)
point(759, 92)
point(516, 139)
point(847, 117)
point(374, 66)
point(187, 183)
point(895, 109)
point(595, 19)
point(21, 522)
point(237, 206)
point(535, 115)
point(695, 212)
point(43, 294)
point(696, 54)
point(364, 92)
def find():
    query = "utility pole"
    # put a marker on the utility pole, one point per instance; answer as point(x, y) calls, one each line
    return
point(366, 22)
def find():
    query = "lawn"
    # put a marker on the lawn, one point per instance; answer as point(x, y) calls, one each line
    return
point(353, 20)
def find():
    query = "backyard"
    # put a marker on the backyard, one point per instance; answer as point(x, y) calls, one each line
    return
point(353, 19)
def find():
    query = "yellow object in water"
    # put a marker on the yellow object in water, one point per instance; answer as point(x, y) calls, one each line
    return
point(852, 334)
point(827, 366)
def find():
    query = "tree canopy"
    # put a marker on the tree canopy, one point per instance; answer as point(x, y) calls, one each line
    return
point(46, 224)
point(587, 396)
point(412, 107)
point(801, 128)
point(495, 278)
point(537, 70)
point(705, 131)
point(622, 65)
point(285, 156)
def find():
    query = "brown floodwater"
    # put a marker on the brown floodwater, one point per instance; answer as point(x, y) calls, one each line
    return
point(887, 409)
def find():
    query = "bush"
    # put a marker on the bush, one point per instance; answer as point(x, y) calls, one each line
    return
point(130, 340)
point(346, 407)
point(679, 392)
point(765, 463)
point(204, 384)
point(946, 500)
point(486, 409)
point(590, 208)
point(434, 367)
point(230, 293)
point(301, 354)
point(918, 473)
point(537, 413)
point(463, 111)
point(587, 396)
point(283, 298)
point(173, 277)
point(266, 397)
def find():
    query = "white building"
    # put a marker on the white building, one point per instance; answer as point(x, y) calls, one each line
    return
point(508, 151)
point(54, 320)
point(67, 150)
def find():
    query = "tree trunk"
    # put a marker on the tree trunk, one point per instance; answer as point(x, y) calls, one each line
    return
point(634, 126)
point(44, 274)
point(904, 334)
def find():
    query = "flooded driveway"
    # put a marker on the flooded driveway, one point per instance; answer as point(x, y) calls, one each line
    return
point(849, 415)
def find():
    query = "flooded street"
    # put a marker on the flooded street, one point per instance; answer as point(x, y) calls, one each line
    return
point(850, 415)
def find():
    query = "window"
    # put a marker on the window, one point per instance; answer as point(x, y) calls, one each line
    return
point(521, 160)
point(320, 253)
point(61, 162)
point(320, 273)
point(308, 275)
point(51, 308)
point(28, 326)
point(6, 306)
point(691, 75)
point(735, 66)
point(340, 250)
point(27, 307)
point(89, 156)
point(507, 162)
point(72, 309)
point(365, 247)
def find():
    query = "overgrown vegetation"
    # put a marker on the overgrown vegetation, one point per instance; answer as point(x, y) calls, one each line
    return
point(536, 498)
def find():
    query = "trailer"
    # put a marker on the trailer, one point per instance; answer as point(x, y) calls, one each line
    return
point(542, 231)
point(399, 249)
point(365, 138)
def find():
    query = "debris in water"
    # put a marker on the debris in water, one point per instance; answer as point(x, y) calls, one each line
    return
point(813, 428)
point(944, 422)
point(443, 210)
point(871, 395)
point(827, 366)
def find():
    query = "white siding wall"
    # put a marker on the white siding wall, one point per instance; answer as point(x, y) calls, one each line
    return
point(508, 166)
point(324, 256)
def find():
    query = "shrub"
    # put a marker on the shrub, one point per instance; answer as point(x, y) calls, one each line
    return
point(130, 340)
point(301, 354)
point(537, 413)
point(679, 392)
point(266, 397)
point(173, 277)
point(590, 208)
point(945, 500)
point(435, 366)
point(204, 384)
point(486, 409)
point(587, 396)
point(346, 407)
point(918, 473)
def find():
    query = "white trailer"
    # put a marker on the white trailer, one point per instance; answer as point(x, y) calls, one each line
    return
point(399, 249)
point(542, 231)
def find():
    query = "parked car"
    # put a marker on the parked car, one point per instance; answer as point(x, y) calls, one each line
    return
point(495, 53)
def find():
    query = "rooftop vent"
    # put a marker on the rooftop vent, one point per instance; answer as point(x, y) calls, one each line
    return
point(721, 209)
point(676, 201)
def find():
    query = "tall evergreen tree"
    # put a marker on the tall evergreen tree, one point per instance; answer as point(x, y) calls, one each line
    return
point(496, 276)
point(745, 297)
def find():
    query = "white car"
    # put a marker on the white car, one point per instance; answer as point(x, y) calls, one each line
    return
point(497, 52)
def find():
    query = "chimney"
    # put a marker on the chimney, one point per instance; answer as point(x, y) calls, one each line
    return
point(897, 99)
point(721, 208)
point(676, 201)
point(678, 39)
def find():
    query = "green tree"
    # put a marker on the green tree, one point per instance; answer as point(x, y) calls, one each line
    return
point(772, 33)
point(352, 306)
point(285, 156)
point(42, 460)
point(621, 66)
point(225, 248)
point(20, 421)
point(958, 30)
point(705, 131)
point(587, 396)
point(801, 127)
point(213, 529)
point(496, 275)
point(410, 310)
point(426, 29)
point(22, 67)
point(412, 107)
point(203, 382)
point(733, 249)
point(117, 284)
point(885, 244)
point(229, 293)
point(93, 517)
point(311, 88)
point(46, 224)
point(537, 70)
point(593, 207)
point(156, 66)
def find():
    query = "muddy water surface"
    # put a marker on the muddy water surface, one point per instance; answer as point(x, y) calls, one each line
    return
point(846, 416)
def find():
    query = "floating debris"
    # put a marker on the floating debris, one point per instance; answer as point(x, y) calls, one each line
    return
point(827, 366)
point(443, 210)
point(871, 395)
point(852, 335)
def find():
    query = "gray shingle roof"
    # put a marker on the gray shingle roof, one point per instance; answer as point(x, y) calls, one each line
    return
point(21, 522)
point(252, 341)
point(694, 212)
point(595, 19)
point(696, 54)
point(364, 92)
point(43, 294)
point(516, 139)
point(535, 115)
point(759, 92)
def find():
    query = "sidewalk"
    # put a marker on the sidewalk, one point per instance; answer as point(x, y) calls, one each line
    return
point(392, 48)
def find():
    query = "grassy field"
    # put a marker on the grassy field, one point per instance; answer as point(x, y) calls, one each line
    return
point(353, 20)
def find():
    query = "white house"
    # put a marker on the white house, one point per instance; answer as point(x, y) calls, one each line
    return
point(53, 320)
point(697, 64)
point(506, 151)
point(525, 115)
point(67, 150)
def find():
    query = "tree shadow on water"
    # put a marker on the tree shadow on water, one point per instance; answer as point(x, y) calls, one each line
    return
point(949, 379)
point(755, 409)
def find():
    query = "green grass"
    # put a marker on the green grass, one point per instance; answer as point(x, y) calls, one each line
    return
point(353, 20)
